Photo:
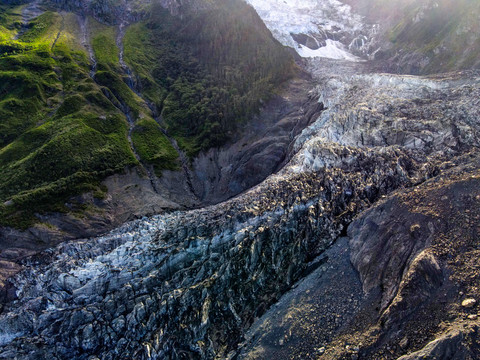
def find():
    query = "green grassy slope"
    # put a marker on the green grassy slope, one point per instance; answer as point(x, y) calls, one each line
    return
point(59, 134)
point(149, 142)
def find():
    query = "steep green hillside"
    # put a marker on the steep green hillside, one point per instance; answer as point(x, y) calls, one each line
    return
point(63, 131)
point(447, 32)
point(426, 36)
point(148, 139)
point(59, 134)
point(206, 72)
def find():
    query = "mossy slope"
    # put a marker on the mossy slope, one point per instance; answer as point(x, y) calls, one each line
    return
point(59, 134)
point(62, 131)
point(148, 140)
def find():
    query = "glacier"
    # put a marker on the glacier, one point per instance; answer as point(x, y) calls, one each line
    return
point(327, 21)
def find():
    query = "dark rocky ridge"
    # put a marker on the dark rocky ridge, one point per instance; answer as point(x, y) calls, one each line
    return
point(416, 268)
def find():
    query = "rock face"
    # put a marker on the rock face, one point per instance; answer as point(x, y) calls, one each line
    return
point(261, 149)
point(450, 346)
point(418, 271)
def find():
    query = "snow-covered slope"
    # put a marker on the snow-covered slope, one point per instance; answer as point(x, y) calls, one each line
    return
point(332, 50)
point(323, 28)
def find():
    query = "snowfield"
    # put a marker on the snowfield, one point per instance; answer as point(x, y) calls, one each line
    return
point(311, 17)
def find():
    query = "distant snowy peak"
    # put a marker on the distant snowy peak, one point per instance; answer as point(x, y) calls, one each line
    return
point(316, 28)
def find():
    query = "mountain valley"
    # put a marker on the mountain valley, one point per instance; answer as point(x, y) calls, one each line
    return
point(229, 179)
